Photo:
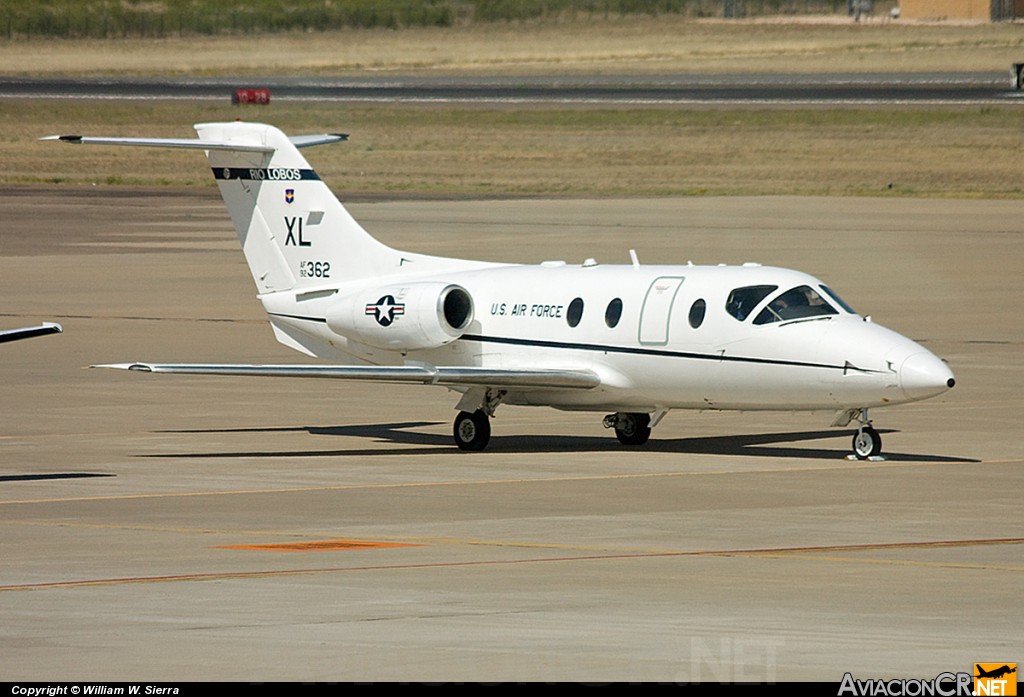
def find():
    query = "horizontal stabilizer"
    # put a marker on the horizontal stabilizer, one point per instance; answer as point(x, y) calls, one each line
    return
point(322, 139)
point(194, 143)
point(414, 374)
point(198, 143)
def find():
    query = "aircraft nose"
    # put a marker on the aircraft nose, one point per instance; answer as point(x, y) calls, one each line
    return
point(924, 375)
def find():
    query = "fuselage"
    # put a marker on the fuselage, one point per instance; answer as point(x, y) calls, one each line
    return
point(659, 337)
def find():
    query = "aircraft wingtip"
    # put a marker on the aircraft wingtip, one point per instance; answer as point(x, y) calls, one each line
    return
point(125, 366)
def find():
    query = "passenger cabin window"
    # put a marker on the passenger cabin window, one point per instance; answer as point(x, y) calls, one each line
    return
point(575, 312)
point(613, 314)
point(697, 313)
point(743, 300)
point(797, 303)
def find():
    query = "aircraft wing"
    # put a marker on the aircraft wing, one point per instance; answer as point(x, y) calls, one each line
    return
point(28, 332)
point(413, 374)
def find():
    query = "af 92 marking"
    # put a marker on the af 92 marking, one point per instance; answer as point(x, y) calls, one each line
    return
point(314, 269)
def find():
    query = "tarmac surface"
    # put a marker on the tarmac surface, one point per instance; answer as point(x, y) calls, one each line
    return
point(180, 528)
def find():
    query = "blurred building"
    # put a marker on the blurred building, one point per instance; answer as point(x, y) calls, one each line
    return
point(985, 10)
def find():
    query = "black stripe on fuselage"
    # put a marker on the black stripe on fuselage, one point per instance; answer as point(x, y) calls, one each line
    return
point(628, 350)
point(641, 351)
point(321, 320)
point(265, 174)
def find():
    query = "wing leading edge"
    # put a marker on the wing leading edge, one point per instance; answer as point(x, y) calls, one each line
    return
point(413, 374)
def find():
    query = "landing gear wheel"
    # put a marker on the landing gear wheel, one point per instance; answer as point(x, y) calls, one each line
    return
point(867, 443)
point(472, 430)
point(633, 429)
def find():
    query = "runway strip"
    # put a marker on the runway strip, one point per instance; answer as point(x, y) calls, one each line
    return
point(746, 89)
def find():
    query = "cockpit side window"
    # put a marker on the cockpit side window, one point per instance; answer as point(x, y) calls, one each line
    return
point(839, 301)
point(743, 300)
point(798, 303)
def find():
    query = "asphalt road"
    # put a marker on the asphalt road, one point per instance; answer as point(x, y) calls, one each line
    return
point(939, 88)
point(183, 528)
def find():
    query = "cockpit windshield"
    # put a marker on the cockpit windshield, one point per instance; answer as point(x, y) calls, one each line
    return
point(742, 301)
point(799, 303)
point(839, 301)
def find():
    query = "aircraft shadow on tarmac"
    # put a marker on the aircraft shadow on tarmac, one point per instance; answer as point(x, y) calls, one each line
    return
point(402, 433)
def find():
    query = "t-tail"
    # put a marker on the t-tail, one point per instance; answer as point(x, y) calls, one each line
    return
point(294, 231)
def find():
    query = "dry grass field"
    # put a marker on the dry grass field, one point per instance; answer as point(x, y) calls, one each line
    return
point(499, 151)
point(631, 45)
point(415, 150)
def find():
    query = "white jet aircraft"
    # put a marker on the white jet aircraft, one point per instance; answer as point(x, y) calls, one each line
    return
point(634, 340)
point(29, 332)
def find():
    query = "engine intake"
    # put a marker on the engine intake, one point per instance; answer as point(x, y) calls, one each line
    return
point(409, 317)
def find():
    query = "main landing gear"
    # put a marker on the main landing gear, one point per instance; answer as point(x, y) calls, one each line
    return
point(472, 430)
point(867, 444)
point(631, 428)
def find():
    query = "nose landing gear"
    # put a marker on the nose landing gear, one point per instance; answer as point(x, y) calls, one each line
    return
point(867, 443)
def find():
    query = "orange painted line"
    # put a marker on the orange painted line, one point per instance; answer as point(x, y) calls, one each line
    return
point(502, 562)
point(325, 546)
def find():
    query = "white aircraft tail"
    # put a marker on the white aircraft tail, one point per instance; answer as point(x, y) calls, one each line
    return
point(294, 231)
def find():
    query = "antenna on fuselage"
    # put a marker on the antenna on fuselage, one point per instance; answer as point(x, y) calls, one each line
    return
point(635, 260)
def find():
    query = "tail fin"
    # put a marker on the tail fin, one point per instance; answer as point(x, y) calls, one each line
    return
point(293, 230)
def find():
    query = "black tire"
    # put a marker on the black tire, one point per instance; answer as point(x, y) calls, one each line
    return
point(633, 429)
point(867, 443)
point(472, 431)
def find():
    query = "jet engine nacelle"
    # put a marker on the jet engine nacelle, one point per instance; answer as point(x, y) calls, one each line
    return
point(408, 317)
